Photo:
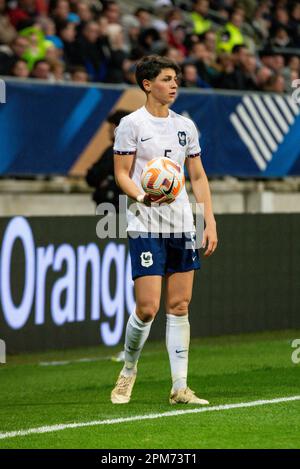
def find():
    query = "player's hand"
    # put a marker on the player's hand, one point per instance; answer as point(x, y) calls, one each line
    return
point(210, 239)
point(164, 200)
point(148, 200)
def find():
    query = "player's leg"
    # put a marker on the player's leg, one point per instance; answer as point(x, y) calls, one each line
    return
point(147, 292)
point(148, 255)
point(179, 288)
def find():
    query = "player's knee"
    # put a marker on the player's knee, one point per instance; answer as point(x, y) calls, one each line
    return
point(147, 311)
point(179, 307)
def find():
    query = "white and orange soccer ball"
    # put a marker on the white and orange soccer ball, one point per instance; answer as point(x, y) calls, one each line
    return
point(162, 177)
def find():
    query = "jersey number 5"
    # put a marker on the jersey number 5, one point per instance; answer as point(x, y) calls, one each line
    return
point(166, 153)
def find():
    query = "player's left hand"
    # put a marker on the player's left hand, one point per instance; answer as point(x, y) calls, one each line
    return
point(210, 239)
point(164, 200)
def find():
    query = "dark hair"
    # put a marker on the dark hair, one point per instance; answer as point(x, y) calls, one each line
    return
point(108, 3)
point(149, 67)
point(77, 68)
point(237, 48)
point(141, 10)
point(38, 62)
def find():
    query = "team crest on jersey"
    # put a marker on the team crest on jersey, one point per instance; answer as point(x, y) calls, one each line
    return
point(146, 259)
point(182, 138)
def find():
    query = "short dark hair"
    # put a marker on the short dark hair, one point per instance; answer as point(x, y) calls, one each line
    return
point(236, 49)
point(149, 67)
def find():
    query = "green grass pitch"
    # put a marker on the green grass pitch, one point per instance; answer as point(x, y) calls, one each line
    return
point(224, 370)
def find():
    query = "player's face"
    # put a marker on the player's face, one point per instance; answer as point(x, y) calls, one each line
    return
point(164, 87)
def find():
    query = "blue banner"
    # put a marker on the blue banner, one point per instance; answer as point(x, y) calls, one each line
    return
point(45, 128)
point(255, 135)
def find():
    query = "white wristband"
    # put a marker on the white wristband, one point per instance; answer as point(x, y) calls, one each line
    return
point(140, 198)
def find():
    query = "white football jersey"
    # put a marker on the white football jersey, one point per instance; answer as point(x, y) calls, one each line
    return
point(147, 137)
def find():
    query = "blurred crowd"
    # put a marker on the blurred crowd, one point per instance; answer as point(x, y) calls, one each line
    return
point(243, 45)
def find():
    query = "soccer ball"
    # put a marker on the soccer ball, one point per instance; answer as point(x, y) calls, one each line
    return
point(162, 177)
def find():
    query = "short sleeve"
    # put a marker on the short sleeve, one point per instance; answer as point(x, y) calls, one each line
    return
point(194, 149)
point(125, 140)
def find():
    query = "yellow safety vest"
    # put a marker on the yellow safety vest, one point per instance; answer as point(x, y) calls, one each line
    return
point(228, 37)
point(201, 25)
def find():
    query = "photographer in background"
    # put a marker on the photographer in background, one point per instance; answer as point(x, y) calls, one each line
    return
point(101, 174)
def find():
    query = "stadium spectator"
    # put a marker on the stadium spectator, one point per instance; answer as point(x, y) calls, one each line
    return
point(84, 11)
point(210, 42)
point(90, 52)
point(199, 16)
point(295, 24)
point(291, 72)
point(275, 84)
point(117, 55)
point(175, 54)
point(190, 78)
point(143, 16)
point(278, 63)
point(281, 38)
point(37, 47)
point(160, 11)
point(266, 58)
point(41, 70)
point(7, 31)
point(111, 11)
point(57, 71)
point(263, 74)
point(280, 20)
point(20, 69)
point(108, 44)
point(101, 174)
point(199, 56)
point(61, 11)
point(79, 75)
point(67, 34)
point(229, 77)
point(244, 69)
point(22, 11)
point(12, 53)
point(294, 63)
point(177, 36)
point(231, 35)
point(50, 31)
point(131, 29)
point(53, 55)
point(261, 23)
point(149, 41)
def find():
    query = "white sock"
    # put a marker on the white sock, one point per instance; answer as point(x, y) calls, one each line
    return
point(137, 332)
point(178, 341)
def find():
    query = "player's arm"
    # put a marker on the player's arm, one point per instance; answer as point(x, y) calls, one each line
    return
point(122, 166)
point(202, 195)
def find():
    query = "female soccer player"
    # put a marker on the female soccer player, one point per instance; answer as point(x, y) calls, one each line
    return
point(158, 233)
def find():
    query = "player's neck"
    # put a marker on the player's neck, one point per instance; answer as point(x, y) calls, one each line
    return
point(157, 109)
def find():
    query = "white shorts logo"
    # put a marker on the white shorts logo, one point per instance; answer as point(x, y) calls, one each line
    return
point(146, 259)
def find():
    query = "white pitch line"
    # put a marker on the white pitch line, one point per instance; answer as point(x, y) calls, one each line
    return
point(79, 360)
point(175, 413)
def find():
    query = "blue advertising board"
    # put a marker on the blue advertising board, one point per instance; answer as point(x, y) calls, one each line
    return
point(44, 128)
